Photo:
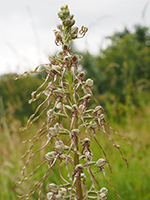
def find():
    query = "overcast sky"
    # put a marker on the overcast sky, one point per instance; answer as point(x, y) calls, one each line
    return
point(26, 27)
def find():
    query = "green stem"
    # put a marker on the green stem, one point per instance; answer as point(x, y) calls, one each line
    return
point(78, 181)
point(76, 156)
point(70, 85)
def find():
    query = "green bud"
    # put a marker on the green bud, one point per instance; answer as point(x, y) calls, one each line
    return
point(64, 7)
point(72, 22)
point(67, 22)
point(65, 13)
point(60, 15)
point(71, 17)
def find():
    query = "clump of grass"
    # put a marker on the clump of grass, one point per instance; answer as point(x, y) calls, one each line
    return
point(73, 120)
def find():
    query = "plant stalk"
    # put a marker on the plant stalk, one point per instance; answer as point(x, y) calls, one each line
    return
point(76, 156)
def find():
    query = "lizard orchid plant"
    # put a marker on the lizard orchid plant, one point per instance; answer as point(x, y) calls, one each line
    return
point(68, 113)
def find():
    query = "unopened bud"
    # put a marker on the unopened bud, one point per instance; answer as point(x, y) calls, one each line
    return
point(65, 13)
point(64, 7)
point(71, 17)
point(60, 15)
point(72, 22)
point(67, 22)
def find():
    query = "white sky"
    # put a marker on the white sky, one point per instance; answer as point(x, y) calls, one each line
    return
point(26, 27)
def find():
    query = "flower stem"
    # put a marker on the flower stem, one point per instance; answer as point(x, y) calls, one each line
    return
point(76, 156)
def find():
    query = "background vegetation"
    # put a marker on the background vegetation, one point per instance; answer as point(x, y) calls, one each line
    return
point(121, 75)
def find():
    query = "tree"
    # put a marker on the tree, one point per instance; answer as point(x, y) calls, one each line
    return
point(122, 69)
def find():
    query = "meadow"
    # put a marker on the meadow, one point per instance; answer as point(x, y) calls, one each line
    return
point(131, 183)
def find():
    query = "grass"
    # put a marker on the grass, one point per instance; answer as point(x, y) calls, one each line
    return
point(131, 183)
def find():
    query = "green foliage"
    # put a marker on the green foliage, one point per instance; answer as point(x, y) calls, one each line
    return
point(132, 183)
point(15, 96)
point(121, 71)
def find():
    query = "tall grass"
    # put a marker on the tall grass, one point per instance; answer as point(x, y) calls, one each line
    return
point(132, 183)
